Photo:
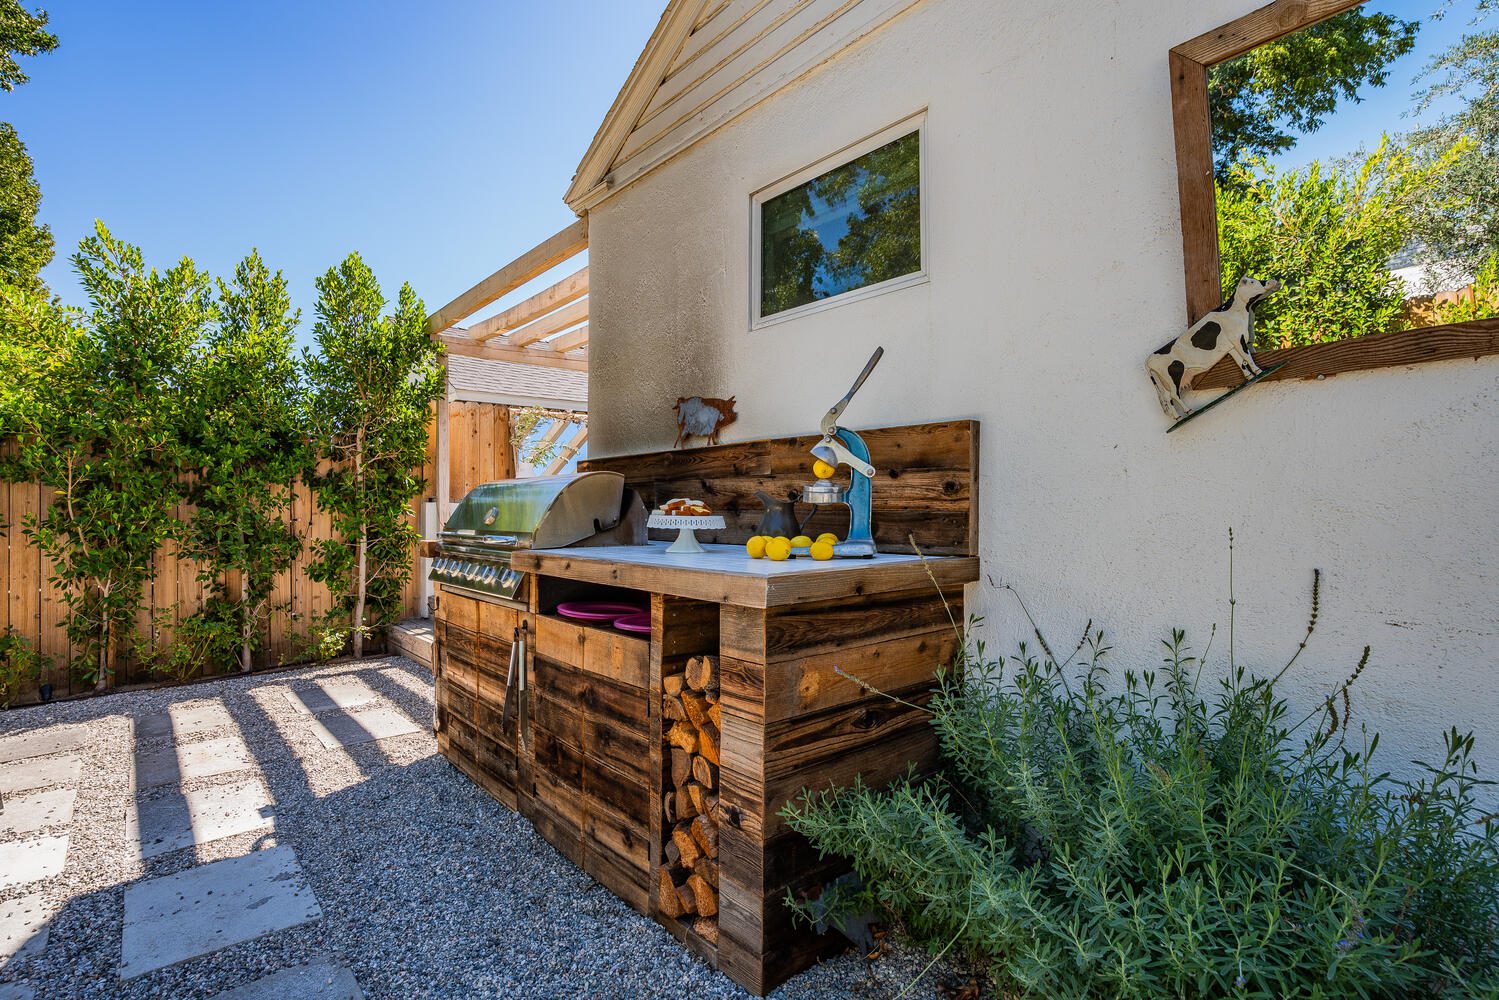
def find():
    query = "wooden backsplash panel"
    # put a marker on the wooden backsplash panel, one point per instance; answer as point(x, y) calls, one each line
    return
point(926, 484)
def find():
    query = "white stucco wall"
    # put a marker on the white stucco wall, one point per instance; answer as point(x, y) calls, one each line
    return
point(1055, 261)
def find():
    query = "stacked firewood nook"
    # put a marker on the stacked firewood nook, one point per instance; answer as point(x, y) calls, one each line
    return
point(660, 765)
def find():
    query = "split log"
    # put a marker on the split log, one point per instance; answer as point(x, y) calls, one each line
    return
point(668, 900)
point(696, 708)
point(705, 773)
point(681, 766)
point(707, 869)
point(704, 835)
point(686, 809)
point(681, 835)
point(715, 715)
point(712, 695)
point(705, 897)
point(672, 851)
point(672, 684)
point(699, 800)
point(707, 742)
point(671, 707)
point(702, 673)
point(707, 929)
point(688, 899)
point(714, 810)
point(686, 737)
point(669, 806)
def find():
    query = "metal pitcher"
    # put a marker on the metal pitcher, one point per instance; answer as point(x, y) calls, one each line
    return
point(779, 517)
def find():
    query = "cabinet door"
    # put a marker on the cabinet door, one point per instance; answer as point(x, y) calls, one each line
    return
point(588, 750)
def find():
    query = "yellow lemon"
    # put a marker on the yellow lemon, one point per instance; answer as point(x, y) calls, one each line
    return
point(829, 537)
point(778, 549)
point(822, 550)
point(756, 547)
point(822, 470)
point(800, 542)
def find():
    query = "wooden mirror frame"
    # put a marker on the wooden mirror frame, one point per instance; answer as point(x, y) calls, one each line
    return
point(1190, 63)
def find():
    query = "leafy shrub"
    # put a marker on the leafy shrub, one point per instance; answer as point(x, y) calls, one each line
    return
point(1329, 232)
point(1483, 303)
point(20, 665)
point(202, 644)
point(1172, 837)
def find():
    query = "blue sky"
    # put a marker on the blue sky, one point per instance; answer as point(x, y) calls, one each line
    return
point(1381, 108)
point(436, 138)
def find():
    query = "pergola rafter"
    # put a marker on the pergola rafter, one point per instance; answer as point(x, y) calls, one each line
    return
point(548, 328)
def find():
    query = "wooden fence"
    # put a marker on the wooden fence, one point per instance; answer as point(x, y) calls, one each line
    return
point(480, 450)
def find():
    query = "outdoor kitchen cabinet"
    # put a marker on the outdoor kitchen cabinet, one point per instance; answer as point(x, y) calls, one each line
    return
point(593, 763)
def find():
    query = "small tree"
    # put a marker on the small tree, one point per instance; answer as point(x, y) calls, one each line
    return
point(1329, 234)
point(95, 410)
point(243, 445)
point(372, 383)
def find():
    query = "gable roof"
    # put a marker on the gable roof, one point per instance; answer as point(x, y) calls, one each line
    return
point(707, 62)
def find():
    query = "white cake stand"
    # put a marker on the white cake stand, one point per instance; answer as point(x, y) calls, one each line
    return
point(686, 543)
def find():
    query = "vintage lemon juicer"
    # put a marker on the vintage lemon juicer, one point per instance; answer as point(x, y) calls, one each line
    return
point(840, 446)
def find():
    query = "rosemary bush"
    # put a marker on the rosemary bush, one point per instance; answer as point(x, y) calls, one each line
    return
point(1172, 832)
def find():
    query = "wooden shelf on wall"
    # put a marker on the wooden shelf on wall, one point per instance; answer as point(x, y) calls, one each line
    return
point(1473, 340)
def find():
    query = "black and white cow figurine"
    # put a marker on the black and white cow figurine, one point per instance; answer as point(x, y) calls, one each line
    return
point(1227, 330)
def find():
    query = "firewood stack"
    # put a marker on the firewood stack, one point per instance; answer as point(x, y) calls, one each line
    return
point(688, 881)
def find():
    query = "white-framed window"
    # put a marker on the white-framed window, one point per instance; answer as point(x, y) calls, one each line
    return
point(849, 226)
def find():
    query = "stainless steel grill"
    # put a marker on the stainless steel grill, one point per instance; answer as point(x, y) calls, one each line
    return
point(496, 519)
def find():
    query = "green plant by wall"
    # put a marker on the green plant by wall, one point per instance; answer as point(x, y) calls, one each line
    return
point(243, 443)
point(372, 383)
point(20, 666)
point(1172, 832)
point(1329, 232)
point(95, 404)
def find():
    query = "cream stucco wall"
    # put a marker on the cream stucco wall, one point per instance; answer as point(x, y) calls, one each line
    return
point(1055, 261)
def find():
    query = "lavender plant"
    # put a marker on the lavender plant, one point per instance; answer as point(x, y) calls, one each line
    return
point(1171, 832)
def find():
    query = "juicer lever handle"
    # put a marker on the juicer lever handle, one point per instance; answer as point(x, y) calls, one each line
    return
point(832, 447)
point(830, 422)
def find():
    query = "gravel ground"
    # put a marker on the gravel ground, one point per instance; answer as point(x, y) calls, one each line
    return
point(428, 887)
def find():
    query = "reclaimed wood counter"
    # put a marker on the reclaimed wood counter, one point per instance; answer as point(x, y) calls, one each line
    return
point(656, 781)
point(724, 574)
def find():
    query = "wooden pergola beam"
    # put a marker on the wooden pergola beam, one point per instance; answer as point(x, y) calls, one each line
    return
point(569, 341)
point(569, 289)
point(457, 344)
point(539, 259)
point(568, 451)
point(553, 322)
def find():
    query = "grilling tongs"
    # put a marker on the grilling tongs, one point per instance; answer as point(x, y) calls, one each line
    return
point(515, 685)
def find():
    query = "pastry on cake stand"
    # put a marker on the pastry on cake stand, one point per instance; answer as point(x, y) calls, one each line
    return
point(686, 543)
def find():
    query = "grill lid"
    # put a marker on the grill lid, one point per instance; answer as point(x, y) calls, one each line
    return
point(547, 512)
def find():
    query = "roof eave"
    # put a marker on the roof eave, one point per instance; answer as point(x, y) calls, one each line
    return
point(590, 182)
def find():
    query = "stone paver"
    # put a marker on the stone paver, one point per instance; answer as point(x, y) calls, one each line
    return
point(330, 695)
point(172, 822)
point(171, 764)
point(24, 923)
point(171, 919)
point(42, 742)
point(188, 719)
point(318, 981)
point(343, 729)
point(35, 810)
point(42, 773)
point(23, 861)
